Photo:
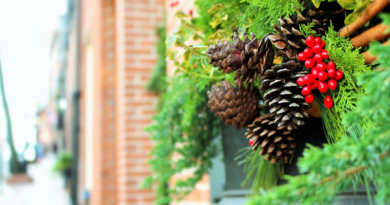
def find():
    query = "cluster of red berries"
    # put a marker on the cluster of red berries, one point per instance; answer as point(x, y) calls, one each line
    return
point(326, 74)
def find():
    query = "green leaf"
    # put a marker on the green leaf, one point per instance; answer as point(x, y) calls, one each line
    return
point(205, 63)
point(316, 3)
point(180, 14)
point(348, 4)
point(171, 41)
point(351, 18)
point(363, 7)
point(187, 55)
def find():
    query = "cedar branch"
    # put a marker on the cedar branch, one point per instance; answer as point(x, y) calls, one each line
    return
point(371, 11)
point(348, 172)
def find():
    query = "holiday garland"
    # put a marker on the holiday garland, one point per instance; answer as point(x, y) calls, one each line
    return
point(318, 67)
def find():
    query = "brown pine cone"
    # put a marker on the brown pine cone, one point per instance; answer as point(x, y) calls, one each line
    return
point(234, 106)
point(289, 40)
point(275, 142)
point(249, 58)
point(284, 94)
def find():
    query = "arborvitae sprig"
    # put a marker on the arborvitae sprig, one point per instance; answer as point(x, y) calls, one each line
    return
point(351, 62)
point(261, 14)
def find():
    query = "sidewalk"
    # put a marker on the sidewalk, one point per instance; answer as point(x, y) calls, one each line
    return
point(47, 187)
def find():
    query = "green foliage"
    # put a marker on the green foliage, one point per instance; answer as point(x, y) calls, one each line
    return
point(386, 20)
point(186, 127)
point(306, 30)
point(157, 82)
point(261, 14)
point(64, 162)
point(184, 130)
point(260, 173)
point(337, 167)
point(219, 18)
point(345, 97)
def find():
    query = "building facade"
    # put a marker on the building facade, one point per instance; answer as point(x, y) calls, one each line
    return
point(110, 53)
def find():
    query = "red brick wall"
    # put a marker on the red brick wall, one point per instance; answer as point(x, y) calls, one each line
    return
point(137, 21)
point(122, 35)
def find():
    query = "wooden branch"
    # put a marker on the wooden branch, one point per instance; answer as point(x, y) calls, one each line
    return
point(371, 11)
point(376, 33)
point(368, 58)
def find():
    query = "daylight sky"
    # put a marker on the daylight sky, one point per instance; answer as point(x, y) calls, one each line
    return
point(24, 49)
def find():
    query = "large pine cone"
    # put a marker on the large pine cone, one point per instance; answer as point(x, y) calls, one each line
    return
point(250, 58)
point(284, 95)
point(234, 106)
point(275, 142)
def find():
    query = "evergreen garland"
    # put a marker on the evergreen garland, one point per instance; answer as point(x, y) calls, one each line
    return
point(351, 161)
point(184, 130)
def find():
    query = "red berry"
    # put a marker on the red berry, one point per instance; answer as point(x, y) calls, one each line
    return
point(322, 44)
point(310, 41)
point(316, 49)
point(332, 84)
point(306, 90)
point(302, 56)
point(328, 102)
point(322, 76)
point(172, 4)
point(330, 65)
point(309, 63)
point(191, 12)
point(251, 141)
point(325, 54)
point(318, 58)
point(332, 73)
point(308, 52)
point(301, 81)
point(314, 85)
point(309, 78)
point(314, 71)
point(339, 75)
point(177, 3)
point(309, 98)
point(321, 66)
point(317, 40)
point(322, 87)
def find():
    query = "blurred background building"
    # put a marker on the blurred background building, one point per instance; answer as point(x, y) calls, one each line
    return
point(101, 53)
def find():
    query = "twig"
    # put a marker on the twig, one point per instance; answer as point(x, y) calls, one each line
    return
point(375, 33)
point(371, 11)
